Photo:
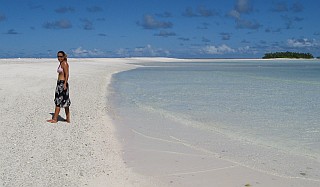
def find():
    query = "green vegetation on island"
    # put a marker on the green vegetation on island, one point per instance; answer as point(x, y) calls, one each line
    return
point(287, 55)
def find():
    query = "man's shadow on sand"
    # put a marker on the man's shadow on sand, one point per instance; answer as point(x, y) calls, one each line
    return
point(59, 117)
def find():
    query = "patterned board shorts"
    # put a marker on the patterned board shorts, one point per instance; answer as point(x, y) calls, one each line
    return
point(61, 98)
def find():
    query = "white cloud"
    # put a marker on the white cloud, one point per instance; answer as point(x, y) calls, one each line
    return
point(145, 51)
point(243, 6)
point(225, 36)
point(234, 14)
point(247, 50)
point(149, 22)
point(246, 24)
point(150, 51)
point(87, 24)
point(80, 52)
point(303, 43)
point(222, 49)
point(60, 24)
point(164, 33)
point(123, 52)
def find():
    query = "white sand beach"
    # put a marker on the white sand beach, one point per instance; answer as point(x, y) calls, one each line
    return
point(82, 153)
point(89, 151)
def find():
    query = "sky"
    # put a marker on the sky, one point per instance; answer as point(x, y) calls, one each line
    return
point(158, 28)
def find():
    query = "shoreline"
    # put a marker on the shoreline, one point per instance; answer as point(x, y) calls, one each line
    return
point(92, 151)
point(156, 145)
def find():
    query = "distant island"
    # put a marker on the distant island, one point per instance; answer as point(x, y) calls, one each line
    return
point(287, 55)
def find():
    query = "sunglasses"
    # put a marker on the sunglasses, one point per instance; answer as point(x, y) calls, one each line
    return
point(60, 56)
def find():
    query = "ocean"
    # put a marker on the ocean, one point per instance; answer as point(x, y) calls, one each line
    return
point(266, 113)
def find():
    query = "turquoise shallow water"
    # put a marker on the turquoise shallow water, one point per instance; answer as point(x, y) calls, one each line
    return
point(271, 103)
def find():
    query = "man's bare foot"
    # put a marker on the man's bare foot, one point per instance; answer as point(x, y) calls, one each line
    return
point(52, 121)
point(68, 120)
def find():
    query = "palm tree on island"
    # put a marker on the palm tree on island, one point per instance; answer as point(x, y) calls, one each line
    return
point(288, 55)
